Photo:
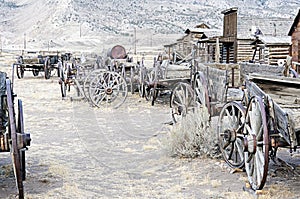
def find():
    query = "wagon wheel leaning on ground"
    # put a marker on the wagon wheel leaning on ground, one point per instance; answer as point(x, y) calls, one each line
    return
point(230, 134)
point(181, 101)
point(19, 139)
point(256, 143)
point(201, 91)
point(47, 68)
point(108, 89)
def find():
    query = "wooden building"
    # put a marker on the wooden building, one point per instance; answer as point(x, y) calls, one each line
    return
point(295, 34)
point(243, 38)
point(189, 42)
point(240, 36)
point(271, 50)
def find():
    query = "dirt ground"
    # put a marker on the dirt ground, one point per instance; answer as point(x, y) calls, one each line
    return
point(78, 151)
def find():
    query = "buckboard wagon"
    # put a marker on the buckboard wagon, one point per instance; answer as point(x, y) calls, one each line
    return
point(257, 113)
point(36, 63)
point(13, 138)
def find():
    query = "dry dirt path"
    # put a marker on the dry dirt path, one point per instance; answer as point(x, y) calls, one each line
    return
point(82, 152)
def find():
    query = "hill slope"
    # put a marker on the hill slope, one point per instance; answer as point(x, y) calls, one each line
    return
point(97, 23)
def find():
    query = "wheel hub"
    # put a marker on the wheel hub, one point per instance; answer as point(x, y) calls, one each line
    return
point(229, 135)
point(108, 91)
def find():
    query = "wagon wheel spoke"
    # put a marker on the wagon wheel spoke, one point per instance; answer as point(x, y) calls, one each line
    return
point(239, 148)
point(248, 158)
point(230, 139)
point(231, 150)
point(99, 99)
point(226, 144)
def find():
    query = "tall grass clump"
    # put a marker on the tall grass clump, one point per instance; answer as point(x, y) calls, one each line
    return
point(193, 136)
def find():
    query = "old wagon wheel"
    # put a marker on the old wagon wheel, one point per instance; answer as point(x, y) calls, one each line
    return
point(108, 88)
point(230, 134)
point(19, 140)
point(62, 80)
point(20, 71)
point(181, 101)
point(150, 85)
point(256, 143)
point(47, 68)
point(201, 91)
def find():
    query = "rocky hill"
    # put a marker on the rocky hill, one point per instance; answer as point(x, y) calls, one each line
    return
point(98, 23)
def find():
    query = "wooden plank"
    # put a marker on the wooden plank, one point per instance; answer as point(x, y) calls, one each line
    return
point(273, 78)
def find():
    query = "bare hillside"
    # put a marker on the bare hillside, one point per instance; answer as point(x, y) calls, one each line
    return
point(96, 23)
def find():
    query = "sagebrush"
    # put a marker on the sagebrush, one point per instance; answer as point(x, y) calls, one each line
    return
point(194, 135)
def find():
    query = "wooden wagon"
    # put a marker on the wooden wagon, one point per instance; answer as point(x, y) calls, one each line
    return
point(37, 62)
point(13, 138)
point(257, 113)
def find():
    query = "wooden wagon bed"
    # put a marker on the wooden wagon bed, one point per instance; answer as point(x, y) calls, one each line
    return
point(284, 91)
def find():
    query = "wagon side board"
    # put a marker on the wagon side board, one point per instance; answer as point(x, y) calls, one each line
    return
point(217, 81)
point(282, 119)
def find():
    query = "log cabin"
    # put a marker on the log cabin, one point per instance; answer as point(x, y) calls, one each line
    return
point(240, 37)
point(185, 45)
point(271, 50)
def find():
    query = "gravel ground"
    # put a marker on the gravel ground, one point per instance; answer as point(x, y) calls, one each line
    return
point(78, 151)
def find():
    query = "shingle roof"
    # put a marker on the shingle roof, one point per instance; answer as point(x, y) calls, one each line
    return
point(268, 26)
point(272, 40)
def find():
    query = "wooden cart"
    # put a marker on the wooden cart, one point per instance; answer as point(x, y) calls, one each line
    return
point(42, 62)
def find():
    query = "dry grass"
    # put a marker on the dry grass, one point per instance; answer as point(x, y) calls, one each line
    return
point(193, 136)
point(6, 171)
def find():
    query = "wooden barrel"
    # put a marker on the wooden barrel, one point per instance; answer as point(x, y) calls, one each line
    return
point(117, 52)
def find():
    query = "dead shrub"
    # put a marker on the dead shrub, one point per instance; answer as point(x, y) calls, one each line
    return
point(193, 136)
